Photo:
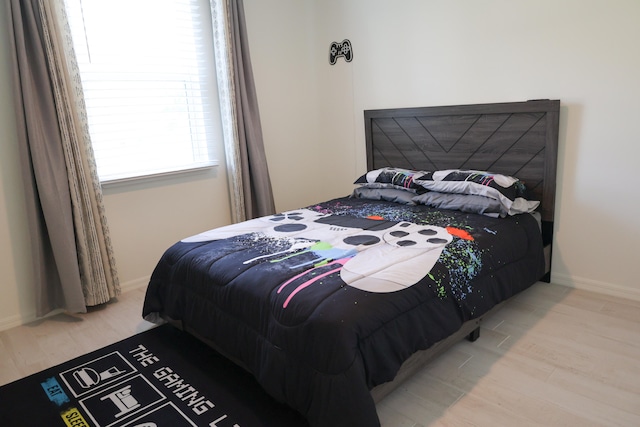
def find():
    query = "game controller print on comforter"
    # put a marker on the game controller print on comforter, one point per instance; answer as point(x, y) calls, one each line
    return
point(322, 304)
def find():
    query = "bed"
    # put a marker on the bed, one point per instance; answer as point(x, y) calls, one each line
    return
point(333, 305)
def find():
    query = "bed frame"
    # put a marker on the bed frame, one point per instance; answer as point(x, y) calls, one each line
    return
point(517, 139)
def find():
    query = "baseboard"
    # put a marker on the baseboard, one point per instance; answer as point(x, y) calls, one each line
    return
point(18, 320)
point(134, 284)
point(13, 321)
point(596, 286)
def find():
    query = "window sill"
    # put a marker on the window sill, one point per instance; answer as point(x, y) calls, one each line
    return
point(157, 176)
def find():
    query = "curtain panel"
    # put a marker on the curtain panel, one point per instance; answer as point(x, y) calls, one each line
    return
point(73, 261)
point(248, 173)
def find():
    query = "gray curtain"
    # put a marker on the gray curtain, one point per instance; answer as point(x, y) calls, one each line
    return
point(258, 194)
point(249, 181)
point(73, 263)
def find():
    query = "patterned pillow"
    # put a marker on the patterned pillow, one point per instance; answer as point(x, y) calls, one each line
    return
point(508, 190)
point(462, 202)
point(391, 178)
point(389, 194)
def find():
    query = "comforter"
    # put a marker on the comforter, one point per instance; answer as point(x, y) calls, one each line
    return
point(324, 303)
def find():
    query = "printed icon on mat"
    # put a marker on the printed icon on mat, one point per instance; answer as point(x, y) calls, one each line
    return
point(167, 414)
point(112, 405)
point(97, 373)
point(88, 377)
point(123, 400)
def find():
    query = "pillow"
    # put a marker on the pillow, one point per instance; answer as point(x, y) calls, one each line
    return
point(509, 191)
point(462, 202)
point(471, 182)
point(388, 194)
point(391, 178)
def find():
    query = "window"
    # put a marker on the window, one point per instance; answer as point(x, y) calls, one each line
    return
point(148, 76)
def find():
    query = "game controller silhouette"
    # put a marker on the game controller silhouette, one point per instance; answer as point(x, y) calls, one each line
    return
point(341, 49)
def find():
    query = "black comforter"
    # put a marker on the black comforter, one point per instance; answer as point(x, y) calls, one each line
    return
point(324, 303)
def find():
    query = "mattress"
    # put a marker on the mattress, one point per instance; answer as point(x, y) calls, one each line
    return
point(324, 303)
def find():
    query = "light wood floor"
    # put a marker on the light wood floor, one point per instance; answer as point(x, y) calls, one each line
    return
point(553, 356)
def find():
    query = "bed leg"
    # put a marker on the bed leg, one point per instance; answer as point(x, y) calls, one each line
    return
point(474, 335)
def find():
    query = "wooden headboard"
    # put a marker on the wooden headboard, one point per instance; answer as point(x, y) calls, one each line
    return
point(516, 138)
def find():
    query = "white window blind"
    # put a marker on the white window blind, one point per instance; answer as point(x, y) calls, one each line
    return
point(148, 77)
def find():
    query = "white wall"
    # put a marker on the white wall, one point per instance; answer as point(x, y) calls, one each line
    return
point(437, 52)
point(286, 76)
point(146, 218)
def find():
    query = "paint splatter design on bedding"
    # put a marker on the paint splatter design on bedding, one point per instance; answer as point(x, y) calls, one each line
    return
point(462, 258)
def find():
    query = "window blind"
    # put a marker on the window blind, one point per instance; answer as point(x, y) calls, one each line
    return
point(148, 78)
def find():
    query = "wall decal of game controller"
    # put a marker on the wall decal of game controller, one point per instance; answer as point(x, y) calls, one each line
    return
point(340, 49)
